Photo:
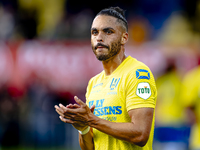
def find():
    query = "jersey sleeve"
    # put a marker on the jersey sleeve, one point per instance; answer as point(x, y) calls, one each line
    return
point(140, 89)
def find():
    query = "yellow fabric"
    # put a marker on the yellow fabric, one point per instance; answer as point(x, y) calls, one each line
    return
point(49, 13)
point(169, 112)
point(130, 86)
point(191, 98)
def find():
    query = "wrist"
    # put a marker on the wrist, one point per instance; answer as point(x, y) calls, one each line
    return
point(85, 131)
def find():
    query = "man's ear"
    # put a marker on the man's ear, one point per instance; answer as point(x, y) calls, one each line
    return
point(124, 39)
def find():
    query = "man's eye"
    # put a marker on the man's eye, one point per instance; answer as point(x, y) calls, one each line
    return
point(108, 31)
point(94, 32)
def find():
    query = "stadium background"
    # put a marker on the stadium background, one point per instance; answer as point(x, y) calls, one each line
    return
point(46, 59)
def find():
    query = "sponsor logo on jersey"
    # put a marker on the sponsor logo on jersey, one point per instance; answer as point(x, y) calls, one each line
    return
point(114, 83)
point(95, 91)
point(143, 90)
point(103, 111)
point(142, 74)
point(99, 84)
point(112, 93)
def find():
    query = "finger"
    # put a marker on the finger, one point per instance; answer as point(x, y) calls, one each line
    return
point(92, 108)
point(63, 107)
point(65, 120)
point(76, 106)
point(80, 102)
point(64, 114)
point(58, 109)
point(73, 106)
point(69, 105)
point(69, 111)
point(60, 113)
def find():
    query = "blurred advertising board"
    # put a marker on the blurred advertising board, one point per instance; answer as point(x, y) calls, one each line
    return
point(68, 66)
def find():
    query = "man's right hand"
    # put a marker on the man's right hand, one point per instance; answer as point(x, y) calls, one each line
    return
point(61, 111)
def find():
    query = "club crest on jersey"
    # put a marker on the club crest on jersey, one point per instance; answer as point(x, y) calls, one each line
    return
point(142, 74)
point(114, 83)
point(143, 90)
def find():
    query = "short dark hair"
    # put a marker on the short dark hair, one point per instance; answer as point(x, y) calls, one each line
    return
point(117, 13)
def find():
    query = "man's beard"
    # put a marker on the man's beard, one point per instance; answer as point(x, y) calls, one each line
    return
point(113, 50)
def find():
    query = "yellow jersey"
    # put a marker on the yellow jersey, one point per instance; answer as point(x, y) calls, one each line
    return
point(130, 86)
point(191, 98)
point(169, 112)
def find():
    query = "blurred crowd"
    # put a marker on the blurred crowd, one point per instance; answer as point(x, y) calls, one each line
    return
point(42, 42)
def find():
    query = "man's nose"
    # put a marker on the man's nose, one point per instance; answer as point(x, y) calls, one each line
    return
point(100, 37)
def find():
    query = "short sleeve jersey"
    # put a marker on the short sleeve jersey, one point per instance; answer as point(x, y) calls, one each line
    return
point(129, 87)
point(190, 96)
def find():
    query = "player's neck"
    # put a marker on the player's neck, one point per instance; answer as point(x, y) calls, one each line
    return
point(110, 65)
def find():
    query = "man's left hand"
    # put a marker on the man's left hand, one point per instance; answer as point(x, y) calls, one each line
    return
point(77, 115)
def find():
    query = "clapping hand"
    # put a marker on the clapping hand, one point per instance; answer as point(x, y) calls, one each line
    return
point(79, 115)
